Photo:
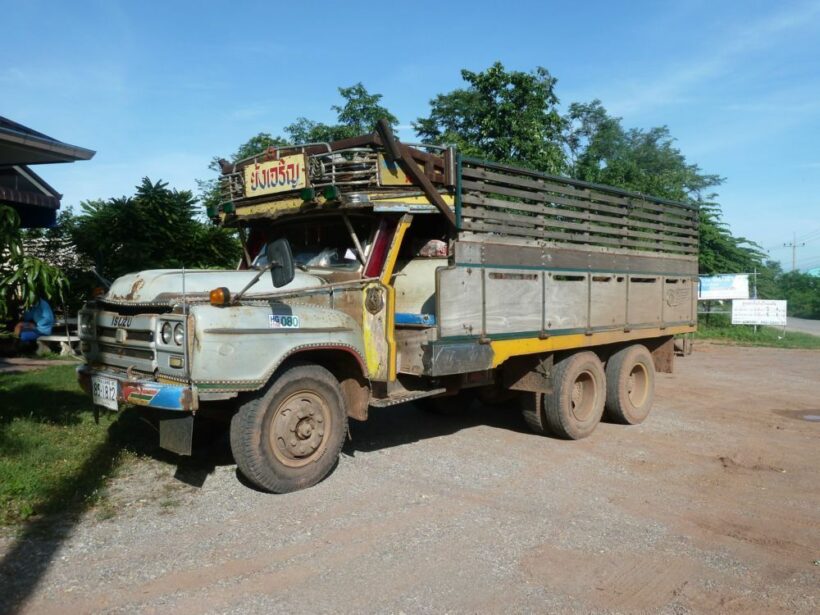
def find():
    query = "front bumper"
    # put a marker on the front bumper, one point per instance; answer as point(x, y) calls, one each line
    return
point(150, 393)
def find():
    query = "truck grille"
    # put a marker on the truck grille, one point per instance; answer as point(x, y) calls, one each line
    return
point(125, 351)
point(133, 335)
point(130, 346)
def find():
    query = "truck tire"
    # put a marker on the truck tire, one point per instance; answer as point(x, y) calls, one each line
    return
point(630, 385)
point(290, 435)
point(574, 407)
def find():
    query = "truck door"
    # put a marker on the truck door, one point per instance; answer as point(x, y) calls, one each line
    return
point(379, 300)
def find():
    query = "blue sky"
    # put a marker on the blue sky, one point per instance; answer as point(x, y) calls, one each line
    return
point(158, 88)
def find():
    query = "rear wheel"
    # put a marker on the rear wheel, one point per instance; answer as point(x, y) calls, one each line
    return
point(290, 436)
point(630, 389)
point(574, 407)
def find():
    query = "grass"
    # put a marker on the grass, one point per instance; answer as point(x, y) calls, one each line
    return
point(53, 456)
point(719, 328)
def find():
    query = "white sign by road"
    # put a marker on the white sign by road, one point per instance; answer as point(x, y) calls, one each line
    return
point(759, 312)
point(731, 286)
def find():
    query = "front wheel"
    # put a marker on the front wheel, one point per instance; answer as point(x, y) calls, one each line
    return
point(289, 437)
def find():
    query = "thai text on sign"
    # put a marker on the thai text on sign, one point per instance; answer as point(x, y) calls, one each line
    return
point(283, 175)
point(759, 312)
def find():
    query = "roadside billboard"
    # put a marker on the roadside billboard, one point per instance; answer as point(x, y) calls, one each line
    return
point(729, 286)
point(759, 312)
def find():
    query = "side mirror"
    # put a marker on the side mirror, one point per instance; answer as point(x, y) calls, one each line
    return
point(280, 260)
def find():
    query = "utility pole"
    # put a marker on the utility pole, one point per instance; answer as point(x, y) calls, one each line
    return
point(794, 245)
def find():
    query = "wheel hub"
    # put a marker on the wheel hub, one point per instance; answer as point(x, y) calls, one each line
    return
point(298, 429)
point(637, 387)
point(582, 396)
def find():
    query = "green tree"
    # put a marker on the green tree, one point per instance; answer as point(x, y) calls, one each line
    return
point(601, 150)
point(356, 115)
point(23, 278)
point(503, 116)
point(258, 144)
point(802, 291)
point(154, 229)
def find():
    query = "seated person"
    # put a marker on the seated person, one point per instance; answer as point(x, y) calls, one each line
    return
point(37, 320)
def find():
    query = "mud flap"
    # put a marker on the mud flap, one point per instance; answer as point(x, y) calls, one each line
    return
point(176, 431)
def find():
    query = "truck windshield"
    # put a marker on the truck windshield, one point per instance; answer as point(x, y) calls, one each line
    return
point(319, 243)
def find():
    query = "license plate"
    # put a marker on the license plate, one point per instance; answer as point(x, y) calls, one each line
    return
point(104, 392)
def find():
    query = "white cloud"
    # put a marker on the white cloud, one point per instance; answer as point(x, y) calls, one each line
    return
point(680, 80)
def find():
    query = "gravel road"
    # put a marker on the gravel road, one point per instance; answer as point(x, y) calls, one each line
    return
point(712, 505)
point(803, 325)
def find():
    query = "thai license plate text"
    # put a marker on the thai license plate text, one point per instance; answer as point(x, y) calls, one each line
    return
point(104, 392)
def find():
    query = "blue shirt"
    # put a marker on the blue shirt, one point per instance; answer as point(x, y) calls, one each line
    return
point(42, 316)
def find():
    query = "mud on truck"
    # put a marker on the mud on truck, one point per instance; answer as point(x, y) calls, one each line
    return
point(377, 272)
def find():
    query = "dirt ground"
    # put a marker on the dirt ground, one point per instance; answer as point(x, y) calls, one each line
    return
point(712, 505)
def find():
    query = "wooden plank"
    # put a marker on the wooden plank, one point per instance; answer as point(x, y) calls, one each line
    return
point(484, 164)
point(620, 216)
point(517, 180)
point(473, 212)
point(681, 230)
point(514, 219)
point(545, 209)
point(586, 194)
point(541, 198)
point(506, 229)
point(538, 221)
point(531, 232)
point(662, 237)
point(661, 247)
point(669, 218)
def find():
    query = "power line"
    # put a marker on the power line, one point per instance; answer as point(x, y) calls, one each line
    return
point(805, 236)
point(809, 261)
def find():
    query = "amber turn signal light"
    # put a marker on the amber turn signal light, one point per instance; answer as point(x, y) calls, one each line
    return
point(220, 296)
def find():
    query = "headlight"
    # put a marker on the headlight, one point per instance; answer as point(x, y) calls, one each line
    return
point(178, 334)
point(165, 333)
point(87, 325)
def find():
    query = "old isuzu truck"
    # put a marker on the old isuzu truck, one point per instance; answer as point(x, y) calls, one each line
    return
point(376, 273)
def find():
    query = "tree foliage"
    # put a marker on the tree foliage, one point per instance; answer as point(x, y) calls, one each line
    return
point(356, 115)
point(601, 150)
point(23, 278)
point(513, 117)
point(802, 291)
point(156, 228)
point(504, 116)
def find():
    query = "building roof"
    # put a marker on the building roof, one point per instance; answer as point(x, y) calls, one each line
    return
point(22, 145)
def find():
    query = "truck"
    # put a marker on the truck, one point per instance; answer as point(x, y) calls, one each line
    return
point(377, 272)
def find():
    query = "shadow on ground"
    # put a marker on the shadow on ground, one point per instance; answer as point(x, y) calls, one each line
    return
point(407, 423)
point(60, 509)
point(40, 538)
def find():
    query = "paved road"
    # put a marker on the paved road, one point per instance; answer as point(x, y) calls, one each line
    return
point(711, 506)
point(804, 325)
